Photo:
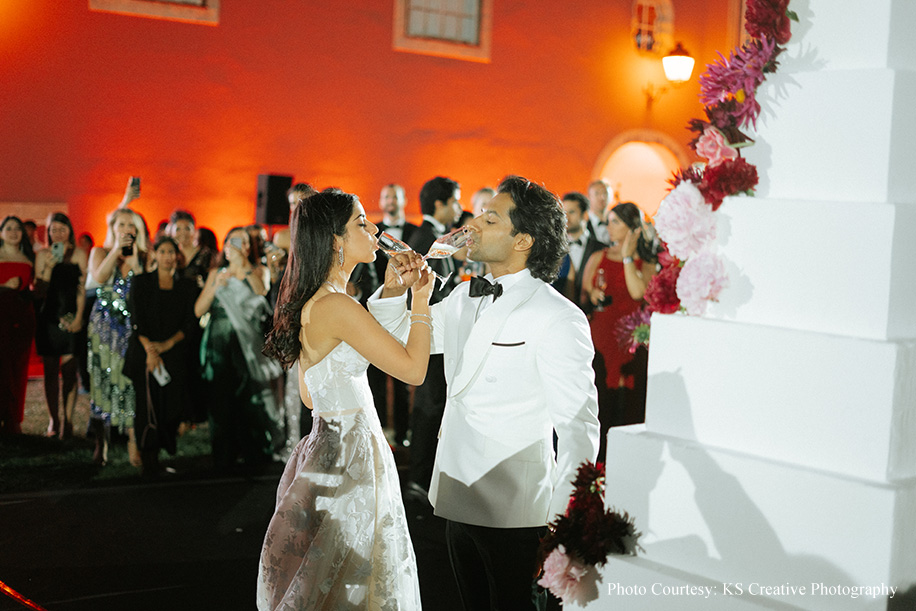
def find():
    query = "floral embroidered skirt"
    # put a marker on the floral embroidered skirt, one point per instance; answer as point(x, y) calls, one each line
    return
point(338, 538)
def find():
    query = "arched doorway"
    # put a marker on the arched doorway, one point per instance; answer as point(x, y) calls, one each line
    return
point(638, 164)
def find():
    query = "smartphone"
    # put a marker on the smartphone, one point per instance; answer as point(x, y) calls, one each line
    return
point(58, 249)
point(236, 243)
point(162, 376)
point(128, 250)
point(135, 182)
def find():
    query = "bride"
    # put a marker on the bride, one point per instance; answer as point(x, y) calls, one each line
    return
point(338, 538)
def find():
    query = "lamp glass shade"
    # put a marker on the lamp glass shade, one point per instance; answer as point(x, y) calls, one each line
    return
point(678, 68)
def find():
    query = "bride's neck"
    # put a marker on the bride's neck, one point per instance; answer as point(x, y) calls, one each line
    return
point(338, 279)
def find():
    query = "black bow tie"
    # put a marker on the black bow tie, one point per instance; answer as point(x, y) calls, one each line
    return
point(480, 286)
point(578, 242)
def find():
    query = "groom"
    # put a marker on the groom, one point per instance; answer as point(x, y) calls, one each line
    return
point(518, 367)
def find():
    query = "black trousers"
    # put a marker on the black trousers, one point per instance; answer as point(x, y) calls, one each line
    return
point(495, 567)
point(428, 407)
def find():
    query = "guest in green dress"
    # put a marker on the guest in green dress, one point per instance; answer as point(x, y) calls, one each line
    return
point(234, 312)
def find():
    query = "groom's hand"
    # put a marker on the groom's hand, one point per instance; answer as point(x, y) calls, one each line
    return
point(402, 272)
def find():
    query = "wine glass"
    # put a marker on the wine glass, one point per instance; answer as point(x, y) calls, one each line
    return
point(440, 249)
point(601, 284)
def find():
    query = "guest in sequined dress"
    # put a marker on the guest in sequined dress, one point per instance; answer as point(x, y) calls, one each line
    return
point(112, 268)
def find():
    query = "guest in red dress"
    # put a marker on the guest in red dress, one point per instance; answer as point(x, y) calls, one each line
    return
point(614, 282)
point(17, 324)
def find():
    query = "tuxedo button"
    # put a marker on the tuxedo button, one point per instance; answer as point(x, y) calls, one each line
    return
point(490, 378)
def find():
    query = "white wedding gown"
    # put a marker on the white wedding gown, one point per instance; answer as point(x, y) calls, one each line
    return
point(338, 539)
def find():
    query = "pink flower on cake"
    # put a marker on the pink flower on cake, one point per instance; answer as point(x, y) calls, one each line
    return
point(685, 221)
point(713, 146)
point(701, 280)
point(562, 574)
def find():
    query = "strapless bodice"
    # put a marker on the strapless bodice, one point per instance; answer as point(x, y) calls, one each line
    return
point(338, 384)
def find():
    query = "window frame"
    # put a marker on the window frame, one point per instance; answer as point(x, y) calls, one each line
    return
point(208, 14)
point(444, 48)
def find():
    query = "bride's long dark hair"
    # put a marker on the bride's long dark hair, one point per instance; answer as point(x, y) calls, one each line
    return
point(315, 222)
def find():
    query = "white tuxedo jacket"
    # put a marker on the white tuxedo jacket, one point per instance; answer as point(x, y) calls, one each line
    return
point(521, 371)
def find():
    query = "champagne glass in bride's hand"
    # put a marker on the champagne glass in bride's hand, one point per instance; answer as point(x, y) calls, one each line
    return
point(392, 246)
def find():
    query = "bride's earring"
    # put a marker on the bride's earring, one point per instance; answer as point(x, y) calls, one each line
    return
point(340, 256)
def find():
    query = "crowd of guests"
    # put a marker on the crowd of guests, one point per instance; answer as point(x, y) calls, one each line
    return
point(166, 330)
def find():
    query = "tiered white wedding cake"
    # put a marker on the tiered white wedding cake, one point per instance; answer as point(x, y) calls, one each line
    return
point(777, 465)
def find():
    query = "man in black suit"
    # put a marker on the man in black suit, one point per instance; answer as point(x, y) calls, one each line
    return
point(582, 245)
point(599, 197)
point(439, 202)
point(392, 203)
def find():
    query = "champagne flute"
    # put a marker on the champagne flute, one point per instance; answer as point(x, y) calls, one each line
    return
point(440, 249)
point(601, 284)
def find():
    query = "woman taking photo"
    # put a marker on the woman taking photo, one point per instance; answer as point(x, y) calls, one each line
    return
point(161, 305)
point(338, 537)
point(59, 285)
point(614, 282)
point(112, 268)
point(17, 325)
point(196, 260)
point(244, 421)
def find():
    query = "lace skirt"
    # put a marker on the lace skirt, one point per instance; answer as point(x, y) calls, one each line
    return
point(338, 538)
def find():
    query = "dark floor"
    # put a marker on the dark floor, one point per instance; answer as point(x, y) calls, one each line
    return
point(167, 545)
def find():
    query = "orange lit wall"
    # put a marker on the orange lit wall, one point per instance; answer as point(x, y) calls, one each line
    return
point(314, 89)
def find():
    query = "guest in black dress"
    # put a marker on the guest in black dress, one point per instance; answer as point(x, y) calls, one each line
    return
point(60, 274)
point(194, 263)
point(162, 313)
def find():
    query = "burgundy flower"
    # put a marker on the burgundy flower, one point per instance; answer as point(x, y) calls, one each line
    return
point(688, 174)
point(661, 294)
point(727, 178)
point(769, 18)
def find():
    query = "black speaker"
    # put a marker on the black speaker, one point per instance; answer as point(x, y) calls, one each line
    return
point(273, 205)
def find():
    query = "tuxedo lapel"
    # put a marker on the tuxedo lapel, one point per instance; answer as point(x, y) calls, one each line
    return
point(480, 334)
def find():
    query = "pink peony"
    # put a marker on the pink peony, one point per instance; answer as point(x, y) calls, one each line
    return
point(701, 280)
point(562, 574)
point(713, 146)
point(685, 221)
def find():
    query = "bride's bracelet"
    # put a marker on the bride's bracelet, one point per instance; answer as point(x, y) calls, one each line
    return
point(421, 322)
point(426, 316)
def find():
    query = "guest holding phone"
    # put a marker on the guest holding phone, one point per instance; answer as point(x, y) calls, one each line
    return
point(59, 285)
point(161, 304)
point(244, 414)
point(112, 268)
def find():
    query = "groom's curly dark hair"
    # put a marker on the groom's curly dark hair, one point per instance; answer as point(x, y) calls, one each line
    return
point(539, 213)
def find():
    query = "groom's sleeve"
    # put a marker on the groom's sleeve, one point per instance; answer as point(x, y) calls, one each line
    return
point(564, 361)
point(393, 315)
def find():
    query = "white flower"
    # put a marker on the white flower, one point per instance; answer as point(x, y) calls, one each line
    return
point(701, 280)
point(685, 221)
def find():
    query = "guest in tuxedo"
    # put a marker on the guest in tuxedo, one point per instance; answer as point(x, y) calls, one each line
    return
point(582, 244)
point(391, 202)
point(518, 365)
point(439, 202)
point(599, 196)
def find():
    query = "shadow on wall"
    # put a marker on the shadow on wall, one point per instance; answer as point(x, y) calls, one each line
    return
point(727, 532)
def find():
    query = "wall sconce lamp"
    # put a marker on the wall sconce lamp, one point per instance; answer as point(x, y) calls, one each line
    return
point(678, 66)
